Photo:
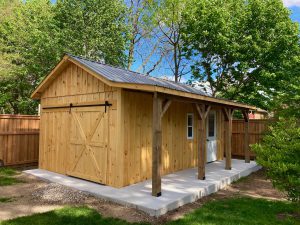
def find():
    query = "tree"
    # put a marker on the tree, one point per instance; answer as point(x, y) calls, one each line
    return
point(170, 22)
point(140, 27)
point(36, 33)
point(241, 47)
point(92, 29)
point(287, 101)
point(144, 43)
point(26, 47)
point(279, 153)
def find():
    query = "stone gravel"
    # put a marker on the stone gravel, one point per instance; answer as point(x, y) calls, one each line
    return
point(56, 193)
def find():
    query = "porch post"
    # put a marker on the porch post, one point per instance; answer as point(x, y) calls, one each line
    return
point(246, 137)
point(156, 145)
point(202, 111)
point(228, 133)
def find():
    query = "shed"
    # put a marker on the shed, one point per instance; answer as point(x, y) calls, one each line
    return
point(117, 127)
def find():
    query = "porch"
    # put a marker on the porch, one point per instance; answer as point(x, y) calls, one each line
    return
point(178, 188)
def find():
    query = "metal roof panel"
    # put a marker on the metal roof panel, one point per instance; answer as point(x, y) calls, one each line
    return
point(116, 74)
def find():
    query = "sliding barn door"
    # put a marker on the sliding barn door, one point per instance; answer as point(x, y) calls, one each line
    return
point(88, 143)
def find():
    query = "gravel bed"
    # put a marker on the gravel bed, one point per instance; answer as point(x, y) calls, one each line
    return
point(56, 193)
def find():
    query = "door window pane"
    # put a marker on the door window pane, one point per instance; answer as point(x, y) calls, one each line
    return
point(211, 125)
point(190, 129)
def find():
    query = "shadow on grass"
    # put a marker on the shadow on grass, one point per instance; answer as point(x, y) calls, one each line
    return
point(66, 216)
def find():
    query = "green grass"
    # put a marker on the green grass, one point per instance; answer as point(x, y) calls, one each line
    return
point(3, 199)
point(66, 216)
point(234, 211)
point(8, 172)
point(7, 177)
point(244, 211)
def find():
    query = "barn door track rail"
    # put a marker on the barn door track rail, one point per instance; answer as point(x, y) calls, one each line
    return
point(71, 105)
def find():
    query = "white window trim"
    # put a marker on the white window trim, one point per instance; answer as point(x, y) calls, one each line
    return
point(187, 126)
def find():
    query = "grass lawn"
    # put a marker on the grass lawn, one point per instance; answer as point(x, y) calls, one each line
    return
point(7, 177)
point(243, 210)
point(234, 211)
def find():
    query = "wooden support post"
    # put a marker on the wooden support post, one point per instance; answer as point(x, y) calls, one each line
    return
point(202, 111)
point(228, 113)
point(246, 137)
point(156, 145)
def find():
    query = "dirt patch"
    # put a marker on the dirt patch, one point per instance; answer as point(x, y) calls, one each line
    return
point(36, 196)
point(284, 216)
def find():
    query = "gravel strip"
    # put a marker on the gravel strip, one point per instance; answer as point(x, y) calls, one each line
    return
point(56, 193)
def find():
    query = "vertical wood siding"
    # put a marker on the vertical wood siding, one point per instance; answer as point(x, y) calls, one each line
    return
point(19, 139)
point(178, 152)
point(57, 150)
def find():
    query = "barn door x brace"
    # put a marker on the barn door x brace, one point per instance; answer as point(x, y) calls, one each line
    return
point(106, 104)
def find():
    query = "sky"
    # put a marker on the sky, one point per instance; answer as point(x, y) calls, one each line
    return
point(293, 5)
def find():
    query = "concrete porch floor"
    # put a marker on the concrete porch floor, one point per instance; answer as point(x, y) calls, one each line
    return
point(177, 188)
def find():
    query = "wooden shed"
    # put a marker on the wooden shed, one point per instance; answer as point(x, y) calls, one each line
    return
point(117, 127)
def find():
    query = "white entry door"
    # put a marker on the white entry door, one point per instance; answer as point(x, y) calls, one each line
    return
point(211, 141)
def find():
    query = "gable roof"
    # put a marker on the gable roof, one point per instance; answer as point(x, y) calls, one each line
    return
point(115, 74)
point(117, 77)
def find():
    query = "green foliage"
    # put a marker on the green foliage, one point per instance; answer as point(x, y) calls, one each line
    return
point(27, 47)
point(36, 33)
point(93, 29)
point(279, 153)
point(241, 48)
point(67, 216)
point(287, 102)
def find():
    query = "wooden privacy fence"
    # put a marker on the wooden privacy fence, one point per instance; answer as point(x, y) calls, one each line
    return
point(19, 139)
point(256, 132)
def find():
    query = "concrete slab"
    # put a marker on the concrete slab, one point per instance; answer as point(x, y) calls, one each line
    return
point(177, 188)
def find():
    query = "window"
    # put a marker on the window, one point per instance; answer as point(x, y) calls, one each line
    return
point(211, 124)
point(190, 126)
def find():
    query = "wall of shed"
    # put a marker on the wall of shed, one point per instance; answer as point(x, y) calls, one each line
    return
point(75, 85)
point(178, 152)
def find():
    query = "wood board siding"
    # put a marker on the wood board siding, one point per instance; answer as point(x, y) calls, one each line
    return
point(19, 139)
point(178, 152)
point(75, 85)
point(257, 129)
